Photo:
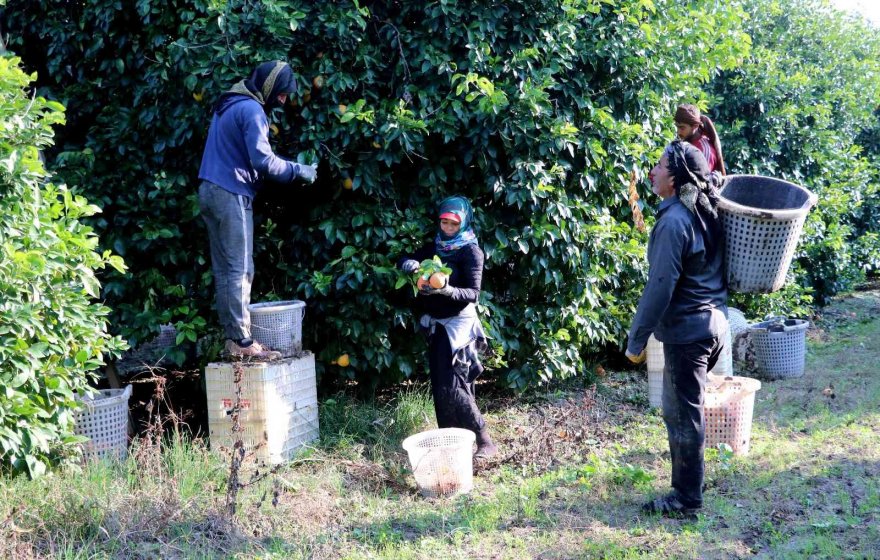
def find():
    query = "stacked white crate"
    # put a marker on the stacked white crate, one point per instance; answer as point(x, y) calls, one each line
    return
point(655, 372)
point(279, 406)
point(656, 363)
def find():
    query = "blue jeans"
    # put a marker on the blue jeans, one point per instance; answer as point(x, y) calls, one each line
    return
point(684, 382)
point(230, 221)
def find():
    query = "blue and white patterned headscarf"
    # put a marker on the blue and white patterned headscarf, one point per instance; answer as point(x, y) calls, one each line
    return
point(459, 206)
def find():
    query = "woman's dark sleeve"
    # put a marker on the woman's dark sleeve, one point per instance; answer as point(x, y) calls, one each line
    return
point(467, 288)
point(424, 252)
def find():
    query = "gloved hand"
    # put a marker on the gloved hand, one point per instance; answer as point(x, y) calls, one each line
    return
point(410, 266)
point(638, 359)
point(427, 290)
point(307, 173)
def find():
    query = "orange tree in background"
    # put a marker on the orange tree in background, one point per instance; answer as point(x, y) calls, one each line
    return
point(538, 111)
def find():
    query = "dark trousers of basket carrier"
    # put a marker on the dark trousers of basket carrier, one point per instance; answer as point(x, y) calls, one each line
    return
point(684, 381)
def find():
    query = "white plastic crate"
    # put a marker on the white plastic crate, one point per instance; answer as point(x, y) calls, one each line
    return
point(279, 406)
point(724, 365)
point(655, 388)
point(656, 360)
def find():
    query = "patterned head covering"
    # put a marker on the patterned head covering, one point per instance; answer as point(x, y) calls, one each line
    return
point(265, 84)
point(458, 205)
point(695, 188)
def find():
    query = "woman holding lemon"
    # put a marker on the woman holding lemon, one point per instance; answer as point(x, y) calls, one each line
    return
point(448, 315)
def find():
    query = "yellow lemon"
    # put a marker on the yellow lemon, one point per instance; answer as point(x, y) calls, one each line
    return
point(343, 360)
point(347, 183)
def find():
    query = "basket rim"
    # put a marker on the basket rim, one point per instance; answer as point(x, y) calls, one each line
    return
point(803, 324)
point(108, 398)
point(749, 384)
point(412, 441)
point(779, 215)
point(276, 306)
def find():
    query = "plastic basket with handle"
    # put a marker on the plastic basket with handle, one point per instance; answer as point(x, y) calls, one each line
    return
point(442, 461)
point(278, 325)
point(780, 347)
point(762, 219)
point(728, 408)
point(103, 419)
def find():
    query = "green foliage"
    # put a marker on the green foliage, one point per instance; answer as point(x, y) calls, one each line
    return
point(801, 107)
point(538, 111)
point(52, 337)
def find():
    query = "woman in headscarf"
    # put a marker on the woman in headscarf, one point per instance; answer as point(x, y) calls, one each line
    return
point(699, 130)
point(236, 160)
point(684, 305)
point(449, 317)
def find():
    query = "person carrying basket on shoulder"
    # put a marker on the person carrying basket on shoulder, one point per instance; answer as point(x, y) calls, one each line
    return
point(684, 305)
point(448, 315)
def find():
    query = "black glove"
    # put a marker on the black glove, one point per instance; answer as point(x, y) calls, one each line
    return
point(307, 173)
point(427, 290)
point(410, 266)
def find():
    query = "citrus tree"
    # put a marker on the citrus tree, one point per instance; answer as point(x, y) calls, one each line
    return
point(540, 112)
point(802, 107)
point(52, 335)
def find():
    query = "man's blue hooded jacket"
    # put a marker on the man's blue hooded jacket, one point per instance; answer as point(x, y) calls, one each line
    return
point(237, 154)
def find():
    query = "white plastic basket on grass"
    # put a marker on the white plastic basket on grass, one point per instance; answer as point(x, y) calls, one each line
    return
point(728, 408)
point(442, 461)
point(278, 325)
point(780, 347)
point(103, 419)
point(762, 219)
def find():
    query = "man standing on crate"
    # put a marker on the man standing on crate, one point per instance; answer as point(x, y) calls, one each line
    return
point(685, 306)
point(236, 161)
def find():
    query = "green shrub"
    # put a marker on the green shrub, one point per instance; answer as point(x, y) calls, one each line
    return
point(52, 337)
point(536, 110)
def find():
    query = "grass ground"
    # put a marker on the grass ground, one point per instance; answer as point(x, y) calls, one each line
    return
point(575, 466)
